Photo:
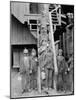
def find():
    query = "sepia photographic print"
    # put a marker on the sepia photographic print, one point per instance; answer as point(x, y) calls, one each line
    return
point(42, 49)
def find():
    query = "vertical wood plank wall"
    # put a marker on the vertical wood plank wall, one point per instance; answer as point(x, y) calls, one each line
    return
point(20, 34)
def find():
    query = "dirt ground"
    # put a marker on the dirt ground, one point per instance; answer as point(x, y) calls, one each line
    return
point(16, 89)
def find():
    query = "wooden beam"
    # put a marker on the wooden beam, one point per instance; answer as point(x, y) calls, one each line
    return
point(63, 16)
point(63, 22)
point(64, 43)
point(55, 9)
point(60, 41)
point(39, 71)
point(51, 37)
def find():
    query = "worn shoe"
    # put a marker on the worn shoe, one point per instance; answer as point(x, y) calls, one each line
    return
point(23, 91)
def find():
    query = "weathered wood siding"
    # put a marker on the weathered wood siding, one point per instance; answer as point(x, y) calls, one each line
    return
point(19, 9)
point(20, 34)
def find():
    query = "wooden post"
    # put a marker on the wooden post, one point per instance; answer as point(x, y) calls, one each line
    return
point(59, 16)
point(43, 21)
point(64, 43)
point(60, 41)
point(67, 40)
point(51, 37)
point(39, 72)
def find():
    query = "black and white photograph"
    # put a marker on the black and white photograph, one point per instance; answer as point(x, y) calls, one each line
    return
point(41, 49)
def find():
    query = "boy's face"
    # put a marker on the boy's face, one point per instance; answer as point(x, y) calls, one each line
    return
point(60, 53)
point(25, 54)
point(44, 42)
point(33, 54)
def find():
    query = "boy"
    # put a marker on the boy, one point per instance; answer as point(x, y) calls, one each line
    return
point(33, 70)
point(24, 71)
point(62, 71)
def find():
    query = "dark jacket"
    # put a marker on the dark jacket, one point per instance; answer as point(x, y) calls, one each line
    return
point(62, 65)
point(33, 64)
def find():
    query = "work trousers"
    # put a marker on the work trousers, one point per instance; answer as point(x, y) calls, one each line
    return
point(49, 78)
point(25, 81)
point(33, 80)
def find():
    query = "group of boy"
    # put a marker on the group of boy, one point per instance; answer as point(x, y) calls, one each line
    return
point(29, 71)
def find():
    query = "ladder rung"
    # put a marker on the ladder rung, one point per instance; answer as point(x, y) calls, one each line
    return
point(54, 18)
point(51, 7)
point(54, 11)
point(54, 22)
point(53, 15)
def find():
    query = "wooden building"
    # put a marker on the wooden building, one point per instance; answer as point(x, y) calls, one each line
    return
point(20, 36)
point(25, 18)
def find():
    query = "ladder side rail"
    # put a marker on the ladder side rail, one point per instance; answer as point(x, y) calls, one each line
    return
point(39, 71)
point(51, 37)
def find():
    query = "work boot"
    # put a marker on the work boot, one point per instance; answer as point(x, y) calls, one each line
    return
point(23, 91)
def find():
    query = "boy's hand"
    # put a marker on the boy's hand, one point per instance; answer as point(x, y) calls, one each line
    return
point(65, 72)
point(30, 71)
point(68, 69)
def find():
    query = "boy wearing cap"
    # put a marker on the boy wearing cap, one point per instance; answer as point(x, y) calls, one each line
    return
point(24, 71)
point(49, 68)
point(47, 63)
point(33, 70)
point(62, 69)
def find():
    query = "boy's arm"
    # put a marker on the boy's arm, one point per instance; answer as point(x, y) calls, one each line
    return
point(30, 64)
point(21, 66)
